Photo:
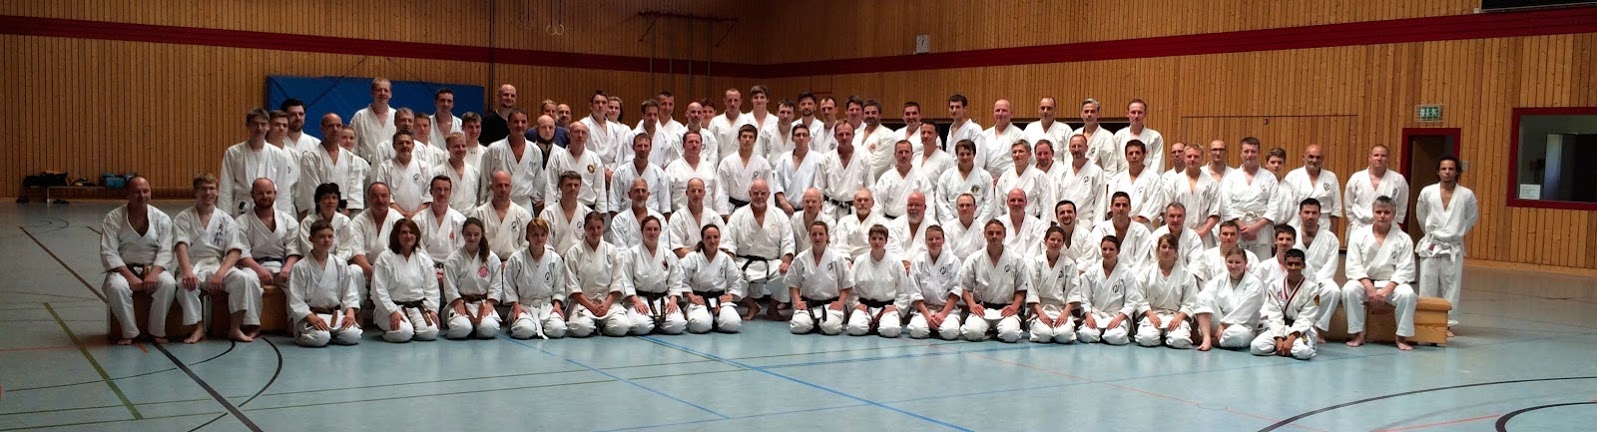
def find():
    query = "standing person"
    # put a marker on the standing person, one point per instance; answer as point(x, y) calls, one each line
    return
point(1141, 183)
point(655, 280)
point(135, 250)
point(965, 179)
point(797, 171)
point(656, 185)
point(405, 288)
point(843, 172)
point(496, 123)
point(298, 141)
point(995, 140)
point(694, 165)
point(1288, 316)
point(407, 176)
point(207, 246)
point(993, 286)
point(817, 283)
point(1153, 142)
point(322, 303)
point(473, 285)
point(814, 210)
point(1108, 297)
point(1446, 212)
point(963, 128)
point(727, 128)
point(327, 162)
point(444, 121)
point(1102, 149)
point(713, 284)
point(1380, 262)
point(935, 296)
point(1312, 180)
point(1376, 181)
point(1083, 182)
point(874, 139)
point(523, 161)
point(1052, 296)
point(912, 129)
point(881, 290)
point(595, 283)
point(1168, 296)
point(1025, 176)
point(931, 160)
point(1228, 310)
point(737, 172)
point(252, 159)
point(535, 287)
point(1248, 197)
point(892, 187)
point(1322, 253)
point(464, 179)
point(1048, 127)
point(1200, 194)
point(375, 123)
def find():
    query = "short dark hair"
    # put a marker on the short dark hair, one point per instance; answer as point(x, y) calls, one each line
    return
point(964, 102)
point(291, 102)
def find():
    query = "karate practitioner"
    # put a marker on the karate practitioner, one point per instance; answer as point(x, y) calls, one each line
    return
point(596, 283)
point(693, 166)
point(327, 162)
point(654, 281)
point(607, 136)
point(1272, 270)
point(853, 230)
point(1312, 180)
point(567, 217)
point(662, 140)
point(626, 228)
point(656, 183)
point(844, 171)
point(1026, 177)
point(523, 161)
point(207, 246)
point(535, 287)
point(1379, 266)
point(965, 179)
point(578, 158)
point(1022, 232)
point(1080, 244)
point(1191, 251)
point(1134, 236)
point(370, 234)
point(1447, 212)
point(1141, 184)
point(375, 122)
point(727, 128)
point(709, 147)
point(931, 160)
point(816, 283)
point(268, 237)
point(1289, 313)
point(252, 159)
point(464, 179)
point(1365, 186)
point(713, 283)
point(1053, 296)
point(440, 224)
point(881, 290)
point(797, 172)
point(327, 198)
point(1108, 297)
point(1247, 196)
point(875, 140)
point(322, 303)
point(135, 251)
point(1200, 194)
point(995, 140)
point(1153, 142)
point(963, 128)
point(1213, 263)
point(1102, 149)
point(502, 218)
point(473, 284)
point(935, 294)
point(1228, 310)
point(1047, 126)
point(1322, 252)
point(405, 288)
point(912, 130)
point(813, 210)
point(1083, 183)
point(964, 233)
point(907, 234)
point(762, 240)
point(737, 172)
point(993, 286)
point(444, 122)
point(406, 178)
point(1168, 295)
point(688, 221)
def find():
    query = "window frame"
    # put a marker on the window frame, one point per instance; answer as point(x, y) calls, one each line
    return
point(1513, 160)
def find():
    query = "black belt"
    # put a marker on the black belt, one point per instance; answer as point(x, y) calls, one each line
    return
point(654, 295)
point(438, 265)
point(656, 312)
point(324, 310)
point(737, 202)
point(812, 305)
point(473, 298)
point(987, 305)
point(749, 260)
point(418, 304)
point(843, 204)
point(267, 260)
point(875, 303)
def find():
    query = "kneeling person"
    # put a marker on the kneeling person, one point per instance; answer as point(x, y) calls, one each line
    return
point(535, 279)
point(405, 287)
point(817, 281)
point(712, 283)
point(473, 284)
point(994, 288)
point(1235, 299)
point(881, 290)
point(1106, 291)
point(1053, 291)
point(321, 295)
point(595, 283)
point(1289, 316)
point(656, 282)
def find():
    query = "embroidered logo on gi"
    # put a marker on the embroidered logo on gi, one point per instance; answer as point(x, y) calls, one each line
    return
point(482, 272)
point(974, 188)
point(1395, 254)
point(943, 271)
point(831, 266)
point(451, 236)
point(592, 169)
point(1008, 268)
point(1326, 187)
point(415, 177)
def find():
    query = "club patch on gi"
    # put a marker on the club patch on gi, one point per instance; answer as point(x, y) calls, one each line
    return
point(592, 169)
point(482, 272)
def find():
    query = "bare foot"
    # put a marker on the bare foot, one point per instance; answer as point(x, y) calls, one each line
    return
point(774, 313)
point(254, 332)
point(1357, 341)
point(158, 340)
point(124, 341)
point(1204, 347)
point(1450, 333)
point(239, 335)
point(198, 335)
point(1403, 345)
point(754, 309)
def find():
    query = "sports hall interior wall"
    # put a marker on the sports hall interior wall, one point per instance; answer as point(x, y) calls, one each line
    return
point(150, 111)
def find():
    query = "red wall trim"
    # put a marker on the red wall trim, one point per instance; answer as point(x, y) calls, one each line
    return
point(1513, 160)
point(1456, 27)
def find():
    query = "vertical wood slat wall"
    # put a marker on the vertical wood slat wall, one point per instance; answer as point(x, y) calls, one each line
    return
point(169, 110)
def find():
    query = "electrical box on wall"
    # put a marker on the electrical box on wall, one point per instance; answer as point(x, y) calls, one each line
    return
point(923, 44)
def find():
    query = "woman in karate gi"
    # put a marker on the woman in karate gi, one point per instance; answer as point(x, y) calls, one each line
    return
point(935, 293)
point(473, 284)
point(881, 290)
point(405, 288)
point(535, 279)
point(712, 282)
point(1168, 295)
point(655, 280)
point(1052, 295)
point(816, 283)
point(1235, 300)
point(1106, 297)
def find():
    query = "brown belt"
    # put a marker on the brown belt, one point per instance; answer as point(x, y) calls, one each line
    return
point(324, 310)
point(473, 298)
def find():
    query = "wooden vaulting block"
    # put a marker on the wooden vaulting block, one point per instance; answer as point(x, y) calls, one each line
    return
point(1430, 323)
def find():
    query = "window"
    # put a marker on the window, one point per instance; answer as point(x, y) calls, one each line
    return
point(1553, 152)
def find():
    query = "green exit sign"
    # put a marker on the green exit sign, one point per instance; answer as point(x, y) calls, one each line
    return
point(1429, 113)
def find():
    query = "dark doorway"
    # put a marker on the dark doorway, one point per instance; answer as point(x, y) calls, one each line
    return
point(1422, 148)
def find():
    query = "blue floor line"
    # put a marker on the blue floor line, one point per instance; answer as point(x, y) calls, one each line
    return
point(906, 356)
point(803, 382)
point(616, 377)
point(734, 418)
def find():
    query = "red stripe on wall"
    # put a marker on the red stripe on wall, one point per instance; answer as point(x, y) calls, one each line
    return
point(1476, 26)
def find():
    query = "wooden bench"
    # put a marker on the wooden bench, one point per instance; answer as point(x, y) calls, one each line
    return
point(141, 315)
point(274, 313)
point(1430, 323)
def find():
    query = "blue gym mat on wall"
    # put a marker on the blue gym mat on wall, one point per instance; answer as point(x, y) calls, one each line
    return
point(345, 95)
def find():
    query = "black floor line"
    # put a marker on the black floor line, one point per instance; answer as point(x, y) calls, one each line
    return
point(214, 395)
point(1502, 422)
point(275, 374)
point(63, 263)
point(1295, 418)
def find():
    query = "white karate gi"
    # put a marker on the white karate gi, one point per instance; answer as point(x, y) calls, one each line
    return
point(208, 245)
point(326, 289)
point(658, 184)
point(505, 235)
point(963, 241)
point(1085, 188)
point(759, 248)
point(1039, 188)
point(1147, 191)
point(564, 232)
point(680, 172)
point(1053, 287)
point(912, 134)
point(1247, 202)
point(736, 178)
point(665, 144)
point(123, 246)
point(441, 237)
point(1361, 194)
point(1212, 266)
point(725, 130)
point(536, 284)
point(343, 247)
point(593, 192)
point(355, 195)
point(821, 139)
point(397, 281)
point(1189, 250)
point(440, 130)
point(978, 183)
point(685, 228)
point(1103, 150)
point(476, 279)
point(712, 278)
point(992, 150)
point(241, 166)
point(1134, 244)
point(1082, 246)
point(1441, 250)
point(370, 132)
point(528, 182)
point(1201, 201)
point(795, 178)
point(1105, 295)
point(269, 247)
point(317, 167)
point(819, 281)
point(407, 183)
point(606, 141)
point(1057, 134)
point(1234, 303)
point(883, 282)
point(935, 165)
point(464, 186)
point(993, 285)
point(839, 179)
point(892, 189)
point(1322, 259)
point(878, 144)
point(626, 230)
point(1286, 310)
point(932, 280)
point(801, 229)
point(1152, 142)
point(654, 276)
point(1026, 238)
point(1167, 296)
point(1296, 185)
point(596, 272)
point(1391, 260)
point(852, 238)
point(910, 242)
point(968, 130)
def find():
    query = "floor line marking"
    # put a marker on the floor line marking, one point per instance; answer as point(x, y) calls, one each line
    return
point(63, 264)
point(615, 377)
point(95, 363)
point(1431, 425)
point(214, 395)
